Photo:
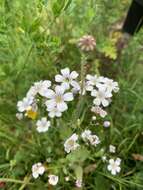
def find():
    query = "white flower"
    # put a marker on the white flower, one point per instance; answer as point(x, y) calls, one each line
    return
point(71, 144)
point(86, 135)
point(58, 99)
point(110, 85)
point(25, 104)
point(94, 140)
point(67, 78)
point(37, 169)
point(99, 110)
point(40, 87)
point(19, 116)
point(101, 97)
point(106, 124)
point(114, 166)
point(78, 183)
point(112, 149)
point(53, 179)
point(43, 125)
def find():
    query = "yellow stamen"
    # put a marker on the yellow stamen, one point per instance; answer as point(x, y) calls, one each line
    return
point(31, 114)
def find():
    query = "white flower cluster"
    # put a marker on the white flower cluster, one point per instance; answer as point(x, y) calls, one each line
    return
point(56, 97)
point(101, 89)
point(39, 169)
point(87, 136)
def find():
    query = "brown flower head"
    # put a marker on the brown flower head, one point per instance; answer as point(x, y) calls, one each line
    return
point(87, 43)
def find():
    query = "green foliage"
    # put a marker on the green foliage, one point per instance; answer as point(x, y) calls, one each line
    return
point(37, 39)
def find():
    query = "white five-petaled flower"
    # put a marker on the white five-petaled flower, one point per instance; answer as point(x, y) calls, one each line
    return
point(53, 179)
point(112, 148)
point(58, 99)
point(102, 97)
point(71, 144)
point(67, 78)
point(114, 166)
point(37, 169)
point(43, 125)
point(25, 104)
point(110, 85)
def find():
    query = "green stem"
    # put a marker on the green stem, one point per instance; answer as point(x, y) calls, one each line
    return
point(9, 180)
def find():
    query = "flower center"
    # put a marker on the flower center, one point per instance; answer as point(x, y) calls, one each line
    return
point(71, 142)
point(59, 99)
point(101, 95)
point(114, 166)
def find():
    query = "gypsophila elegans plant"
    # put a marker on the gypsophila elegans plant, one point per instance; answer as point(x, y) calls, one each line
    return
point(69, 142)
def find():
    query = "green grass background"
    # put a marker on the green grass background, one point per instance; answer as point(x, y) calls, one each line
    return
point(37, 39)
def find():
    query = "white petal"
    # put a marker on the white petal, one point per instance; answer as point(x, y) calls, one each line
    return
point(51, 114)
point(74, 75)
point(89, 77)
point(62, 106)
point(50, 104)
point(74, 137)
point(113, 172)
point(59, 89)
point(108, 94)
point(105, 102)
point(58, 114)
point(65, 72)
point(97, 101)
point(65, 85)
point(118, 161)
point(111, 161)
point(35, 175)
point(75, 85)
point(59, 78)
point(47, 83)
point(41, 170)
point(94, 93)
point(118, 169)
point(50, 93)
point(68, 96)
point(109, 167)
